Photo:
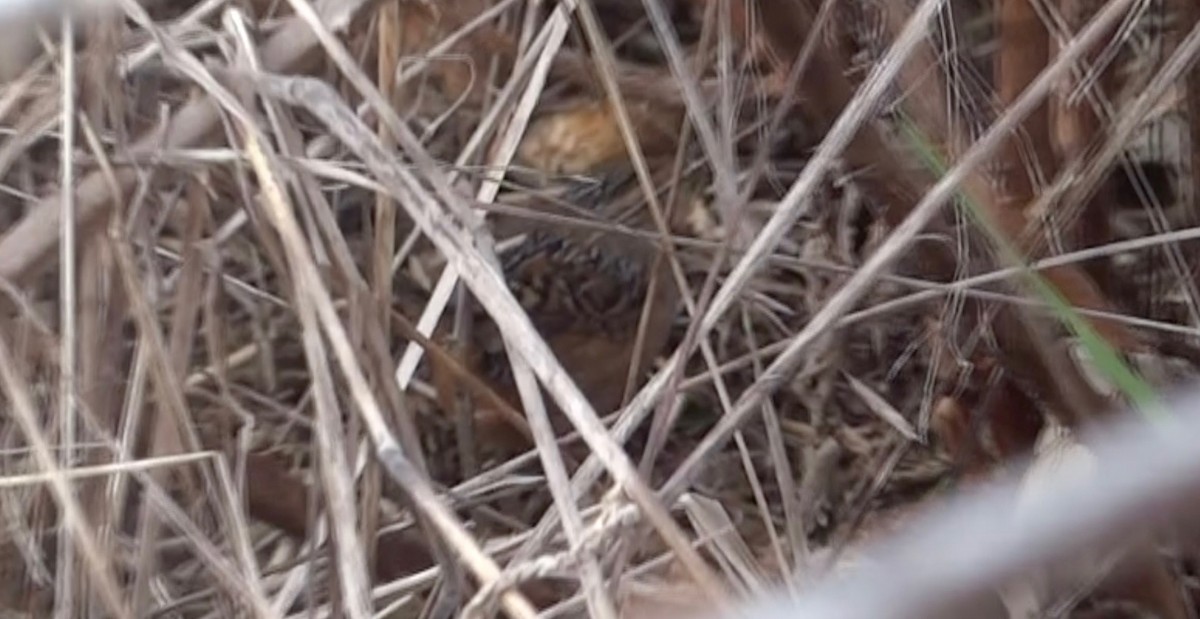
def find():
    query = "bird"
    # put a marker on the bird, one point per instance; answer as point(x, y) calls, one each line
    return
point(585, 289)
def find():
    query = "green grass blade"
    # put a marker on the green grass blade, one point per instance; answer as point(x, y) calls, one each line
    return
point(1137, 391)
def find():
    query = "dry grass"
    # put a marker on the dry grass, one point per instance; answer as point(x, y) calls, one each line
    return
point(269, 357)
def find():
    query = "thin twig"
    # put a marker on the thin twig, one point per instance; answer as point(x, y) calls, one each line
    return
point(65, 601)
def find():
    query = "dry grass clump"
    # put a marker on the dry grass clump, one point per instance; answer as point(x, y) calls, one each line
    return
point(397, 308)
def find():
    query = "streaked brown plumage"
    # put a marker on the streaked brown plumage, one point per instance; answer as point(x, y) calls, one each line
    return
point(585, 292)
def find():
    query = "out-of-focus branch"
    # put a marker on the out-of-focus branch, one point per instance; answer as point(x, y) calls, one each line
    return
point(949, 559)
